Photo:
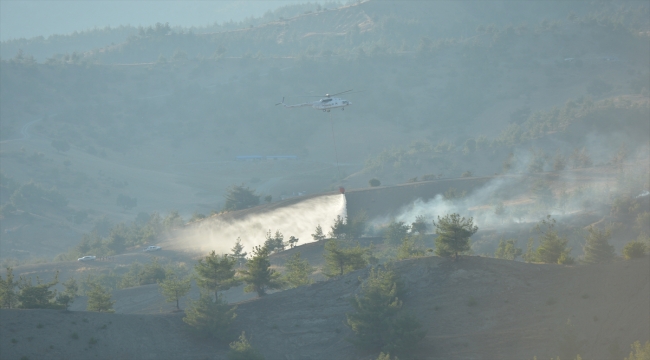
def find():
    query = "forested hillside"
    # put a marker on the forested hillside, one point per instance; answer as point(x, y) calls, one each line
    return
point(483, 191)
point(441, 89)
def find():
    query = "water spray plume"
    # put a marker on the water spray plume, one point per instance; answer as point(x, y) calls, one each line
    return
point(300, 220)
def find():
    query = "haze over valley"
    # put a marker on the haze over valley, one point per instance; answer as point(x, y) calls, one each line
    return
point(485, 192)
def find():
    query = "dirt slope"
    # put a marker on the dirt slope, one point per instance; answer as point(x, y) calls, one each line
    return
point(519, 311)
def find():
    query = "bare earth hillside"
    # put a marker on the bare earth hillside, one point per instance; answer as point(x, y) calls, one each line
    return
point(475, 308)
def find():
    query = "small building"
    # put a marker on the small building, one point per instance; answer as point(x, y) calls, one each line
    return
point(282, 157)
point(250, 158)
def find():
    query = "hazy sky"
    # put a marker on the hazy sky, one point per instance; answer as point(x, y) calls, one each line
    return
point(29, 18)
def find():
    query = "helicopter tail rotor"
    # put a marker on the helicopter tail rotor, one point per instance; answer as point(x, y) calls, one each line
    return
point(280, 103)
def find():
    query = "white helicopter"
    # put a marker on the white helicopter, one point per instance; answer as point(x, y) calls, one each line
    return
point(326, 103)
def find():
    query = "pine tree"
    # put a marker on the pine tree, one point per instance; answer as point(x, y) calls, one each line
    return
point(258, 275)
point(508, 250)
point(293, 241)
point(216, 273)
point(69, 294)
point(151, 273)
point(173, 288)
point(453, 235)
point(338, 229)
point(71, 287)
point(529, 255)
point(379, 322)
point(356, 226)
point(8, 296)
point(408, 249)
point(318, 235)
point(597, 248)
point(238, 252)
point(274, 242)
point(37, 296)
point(298, 271)
point(239, 197)
point(419, 226)
point(552, 248)
point(396, 232)
point(340, 260)
point(99, 299)
point(243, 350)
point(346, 228)
point(210, 318)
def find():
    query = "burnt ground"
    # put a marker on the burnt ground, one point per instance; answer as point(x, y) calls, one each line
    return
point(475, 308)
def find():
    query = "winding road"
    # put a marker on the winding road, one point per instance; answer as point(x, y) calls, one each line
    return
point(24, 132)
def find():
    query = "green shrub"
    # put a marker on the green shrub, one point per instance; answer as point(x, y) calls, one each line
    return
point(386, 356)
point(642, 221)
point(634, 250)
point(639, 352)
point(298, 271)
point(243, 350)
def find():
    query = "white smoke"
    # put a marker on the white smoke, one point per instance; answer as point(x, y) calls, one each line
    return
point(479, 204)
point(513, 195)
point(299, 220)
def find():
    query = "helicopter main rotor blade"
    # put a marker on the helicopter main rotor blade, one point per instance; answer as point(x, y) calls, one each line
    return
point(342, 92)
point(322, 96)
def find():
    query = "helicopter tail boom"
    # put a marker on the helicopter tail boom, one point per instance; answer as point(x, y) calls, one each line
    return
point(293, 106)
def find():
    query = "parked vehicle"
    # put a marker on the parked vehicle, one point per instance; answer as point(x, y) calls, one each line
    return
point(87, 258)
